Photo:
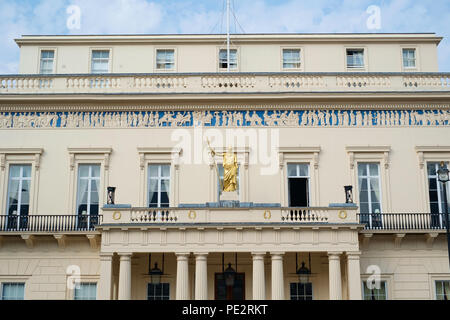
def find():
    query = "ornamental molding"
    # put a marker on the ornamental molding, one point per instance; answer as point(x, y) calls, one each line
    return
point(436, 153)
point(35, 153)
point(102, 107)
point(247, 119)
point(382, 151)
point(74, 152)
point(283, 153)
point(172, 154)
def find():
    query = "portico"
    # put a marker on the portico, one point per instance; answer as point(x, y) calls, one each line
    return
point(264, 254)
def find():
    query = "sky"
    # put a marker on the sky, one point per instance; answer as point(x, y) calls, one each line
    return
point(25, 17)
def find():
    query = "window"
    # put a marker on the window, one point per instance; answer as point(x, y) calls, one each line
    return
point(13, 291)
point(18, 205)
point(88, 195)
point(374, 293)
point(223, 61)
point(355, 58)
point(100, 61)
point(158, 291)
point(291, 58)
point(409, 58)
point(165, 59)
point(47, 58)
point(219, 183)
point(85, 291)
point(369, 193)
point(298, 183)
point(442, 290)
point(301, 291)
point(158, 186)
point(436, 194)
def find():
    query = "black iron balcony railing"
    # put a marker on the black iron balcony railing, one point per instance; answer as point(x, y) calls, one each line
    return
point(49, 223)
point(403, 221)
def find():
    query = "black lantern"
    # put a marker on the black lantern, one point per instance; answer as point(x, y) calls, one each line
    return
point(443, 173)
point(303, 274)
point(111, 195)
point(155, 274)
point(348, 194)
point(230, 276)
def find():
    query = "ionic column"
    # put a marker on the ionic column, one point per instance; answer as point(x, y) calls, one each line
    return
point(182, 292)
point(259, 286)
point(125, 276)
point(201, 276)
point(277, 276)
point(104, 285)
point(335, 275)
point(354, 276)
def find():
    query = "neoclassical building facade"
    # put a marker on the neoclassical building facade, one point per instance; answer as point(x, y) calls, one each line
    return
point(305, 114)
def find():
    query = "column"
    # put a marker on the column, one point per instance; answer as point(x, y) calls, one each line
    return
point(277, 276)
point(354, 276)
point(125, 276)
point(104, 285)
point(335, 275)
point(259, 286)
point(182, 292)
point(201, 276)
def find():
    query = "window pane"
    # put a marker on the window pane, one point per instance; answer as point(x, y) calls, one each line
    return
point(95, 171)
point(292, 170)
point(13, 291)
point(153, 171)
point(83, 170)
point(165, 171)
point(362, 169)
point(373, 169)
point(14, 171)
point(86, 291)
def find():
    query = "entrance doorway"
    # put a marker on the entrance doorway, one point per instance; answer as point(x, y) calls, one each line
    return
point(227, 292)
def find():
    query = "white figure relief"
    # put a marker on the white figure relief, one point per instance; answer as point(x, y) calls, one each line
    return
point(293, 118)
point(304, 119)
point(396, 118)
point(346, 119)
point(352, 118)
point(321, 118)
point(341, 118)
point(166, 119)
point(359, 119)
point(217, 119)
point(334, 119)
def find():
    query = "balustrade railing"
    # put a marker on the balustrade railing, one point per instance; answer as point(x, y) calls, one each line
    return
point(49, 223)
point(305, 215)
point(220, 83)
point(402, 221)
point(149, 215)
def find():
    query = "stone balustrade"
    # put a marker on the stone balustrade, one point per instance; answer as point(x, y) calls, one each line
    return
point(250, 215)
point(224, 83)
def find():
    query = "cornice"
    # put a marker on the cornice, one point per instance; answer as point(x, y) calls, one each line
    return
point(21, 150)
point(201, 106)
point(432, 148)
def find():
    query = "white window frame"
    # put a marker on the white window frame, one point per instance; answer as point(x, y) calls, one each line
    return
point(175, 59)
point(84, 278)
point(90, 180)
point(299, 176)
point(309, 155)
point(385, 277)
point(2, 283)
point(374, 154)
point(416, 68)
point(90, 283)
point(369, 177)
point(312, 290)
point(20, 156)
point(91, 60)
point(439, 187)
point(219, 69)
point(149, 283)
point(21, 180)
point(301, 68)
point(159, 178)
point(385, 289)
point(365, 59)
point(89, 155)
point(157, 156)
point(429, 154)
point(55, 51)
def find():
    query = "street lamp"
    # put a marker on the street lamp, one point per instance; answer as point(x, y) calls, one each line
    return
point(303, 274)
point(229, 275)
point(442, 174)
point(155, 274)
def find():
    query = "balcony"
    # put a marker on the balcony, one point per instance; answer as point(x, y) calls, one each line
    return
point(221, 83)
point(402, 221)
point(48, 223)
point(229, 216)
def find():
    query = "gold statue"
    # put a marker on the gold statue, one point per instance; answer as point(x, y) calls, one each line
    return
point(230, 169)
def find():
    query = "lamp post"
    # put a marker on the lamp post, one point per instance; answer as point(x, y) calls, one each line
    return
point(443, 177)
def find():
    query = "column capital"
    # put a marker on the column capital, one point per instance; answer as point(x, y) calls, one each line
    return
point(125, 255)
point(277, 253)
point(201, 254)
point(182, 255)
point(353, 255)
point(258, 254)
point(106, 256)
point(334, 254)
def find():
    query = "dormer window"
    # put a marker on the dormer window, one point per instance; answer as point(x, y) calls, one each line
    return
point(100, 61)
point(47, 61)
point(355, 58)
